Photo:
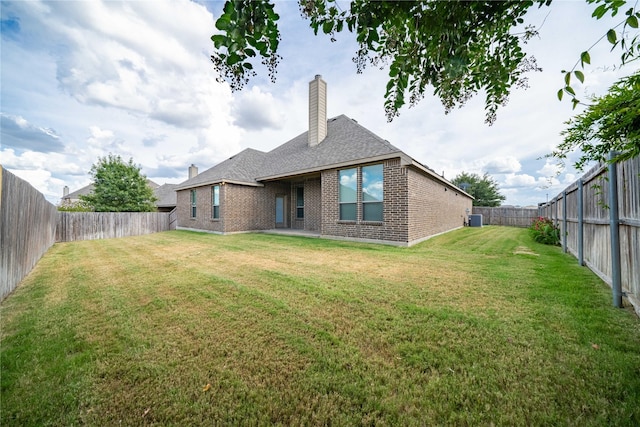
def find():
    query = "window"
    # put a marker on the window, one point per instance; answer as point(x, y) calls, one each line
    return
point(372, 192)
point(348, 193)
point(368, 191)
point(299, 202)
point(215, 202)
point(193, 203)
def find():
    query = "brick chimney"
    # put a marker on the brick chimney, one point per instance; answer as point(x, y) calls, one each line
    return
point(317, 110)
point(193, 171)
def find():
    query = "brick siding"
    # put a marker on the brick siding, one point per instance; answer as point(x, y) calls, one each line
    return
point(415, 207)
point(433, 206)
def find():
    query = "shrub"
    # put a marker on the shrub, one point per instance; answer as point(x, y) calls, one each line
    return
point(78, 206)
point(544, 231)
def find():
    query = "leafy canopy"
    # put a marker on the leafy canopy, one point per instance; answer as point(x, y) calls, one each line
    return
point(483, 188)
point(460, 48)
point(119, 187)
point(610, 123)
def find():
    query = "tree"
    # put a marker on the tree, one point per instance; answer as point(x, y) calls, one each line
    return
point(459, 48)
point(483, 188)
point(610, 123)
point(119, 187)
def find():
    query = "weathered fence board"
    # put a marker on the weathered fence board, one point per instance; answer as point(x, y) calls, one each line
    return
point(105, 225)
point(27, 229)
point(506, 215)
point(597, 253)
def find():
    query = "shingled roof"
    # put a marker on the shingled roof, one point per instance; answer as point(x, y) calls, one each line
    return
point(346, 142)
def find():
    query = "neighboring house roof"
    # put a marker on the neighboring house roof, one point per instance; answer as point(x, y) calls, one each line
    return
point(81, 192)
point(346, 143)
point(87, 189)
point(166, 195)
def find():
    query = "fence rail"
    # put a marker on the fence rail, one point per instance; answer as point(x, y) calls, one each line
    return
point(505, 215)
point(105, 225)
point(584, 214)
point(27, 229)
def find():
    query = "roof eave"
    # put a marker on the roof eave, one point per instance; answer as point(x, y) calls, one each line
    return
point(331, 166)
point(417, 165)
point(219, 181)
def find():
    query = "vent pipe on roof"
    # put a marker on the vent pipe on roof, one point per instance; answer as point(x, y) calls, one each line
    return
point(193, 171)
point(317, 110)
point(65, 191)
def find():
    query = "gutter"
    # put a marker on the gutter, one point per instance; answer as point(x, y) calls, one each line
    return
point(408, 161)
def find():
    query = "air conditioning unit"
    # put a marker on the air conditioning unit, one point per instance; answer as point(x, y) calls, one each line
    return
point(475, 220)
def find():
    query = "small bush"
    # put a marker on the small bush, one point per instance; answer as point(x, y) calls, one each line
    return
point(544, 231)
point(78, 206)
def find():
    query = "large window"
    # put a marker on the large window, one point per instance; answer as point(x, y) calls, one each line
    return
point(348, 196)
point(215, 202)
point(368, 191)
point(299, 202)
point(372, 193)
point(193, 203)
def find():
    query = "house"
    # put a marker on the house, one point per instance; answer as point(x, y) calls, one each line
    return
point(165, 194)
point(337, 180)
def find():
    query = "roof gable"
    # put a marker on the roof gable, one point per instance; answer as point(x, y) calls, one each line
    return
point(346, 142)
point(242, 168)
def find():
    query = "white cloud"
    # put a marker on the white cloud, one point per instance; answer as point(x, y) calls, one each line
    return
point(255, 110)
point(550, 169)
point(506, 164)
point(517, 181)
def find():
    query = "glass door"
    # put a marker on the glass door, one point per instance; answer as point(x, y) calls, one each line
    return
point(280, 211)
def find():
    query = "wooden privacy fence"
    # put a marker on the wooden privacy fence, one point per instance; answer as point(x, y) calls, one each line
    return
point(105, 225)
point(27, 229)
point(506, 215)
point(30, 225)
point(599, 220)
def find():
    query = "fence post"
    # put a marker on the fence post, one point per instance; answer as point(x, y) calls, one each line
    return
point(564, 221)
point(580, 224)
point(614, 222)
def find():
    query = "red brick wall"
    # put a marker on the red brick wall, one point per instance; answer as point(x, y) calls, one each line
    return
point(242, 208)
point(312, 205)
point(416, 206)
point(394, 226)
point(433, 207)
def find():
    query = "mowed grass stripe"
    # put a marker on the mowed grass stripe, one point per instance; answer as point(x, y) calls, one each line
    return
point(476, 326)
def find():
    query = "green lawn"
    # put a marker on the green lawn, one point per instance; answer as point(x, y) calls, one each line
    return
point(479, 326)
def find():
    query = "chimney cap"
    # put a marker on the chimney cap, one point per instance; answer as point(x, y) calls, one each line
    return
point(318, 76)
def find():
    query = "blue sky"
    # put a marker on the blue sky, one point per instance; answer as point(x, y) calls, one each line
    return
point(84, 79)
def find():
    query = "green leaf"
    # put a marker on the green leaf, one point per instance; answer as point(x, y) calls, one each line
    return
point(327, 27)
point(223, 23)
point(632, 21)
point(612, 36)
point(560, 93)
point(218, 40)
point(567, 78)
point(570, 90)
point(600, 11)
point(575, 103)
point(579, 75)
point(585, 58)
point(234, 58)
